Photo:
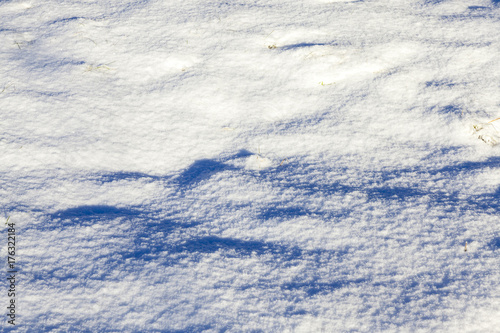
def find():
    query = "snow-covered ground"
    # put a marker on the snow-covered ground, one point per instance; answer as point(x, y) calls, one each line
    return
point(251, 165)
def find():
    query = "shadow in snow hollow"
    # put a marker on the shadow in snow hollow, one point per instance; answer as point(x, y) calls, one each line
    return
point(300, 45)
point(203, 169)
point(233, 247)
point(91, 213)
point(126, 176)
point(394, 195)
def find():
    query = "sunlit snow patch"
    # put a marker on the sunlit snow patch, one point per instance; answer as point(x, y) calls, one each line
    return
point(155, 65)
point(487, 132)
point(257, 162)
point(17, 6)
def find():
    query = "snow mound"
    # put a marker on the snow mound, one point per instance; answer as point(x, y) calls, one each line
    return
point(257, 162)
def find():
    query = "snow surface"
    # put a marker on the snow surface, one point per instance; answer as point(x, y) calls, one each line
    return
point(251, 166)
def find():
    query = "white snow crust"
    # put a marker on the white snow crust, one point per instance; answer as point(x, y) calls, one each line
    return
point(251, 166)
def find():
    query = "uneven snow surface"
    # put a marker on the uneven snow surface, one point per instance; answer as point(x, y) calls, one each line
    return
point(252, 165)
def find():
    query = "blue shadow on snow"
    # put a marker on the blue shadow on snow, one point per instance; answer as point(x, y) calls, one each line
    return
point(491, 162)
point(439, 83)
point(485, 202)
point(314, 287)
point(299, 46)
point(201, 170)
point(205, 168)
point(495, 243)
point(85, 213)
point(236, 247)
point(129, 176)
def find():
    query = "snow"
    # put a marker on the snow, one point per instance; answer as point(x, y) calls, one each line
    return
point(261, 165)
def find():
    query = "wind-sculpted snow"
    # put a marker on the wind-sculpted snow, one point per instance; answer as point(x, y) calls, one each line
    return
point(251, 166)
